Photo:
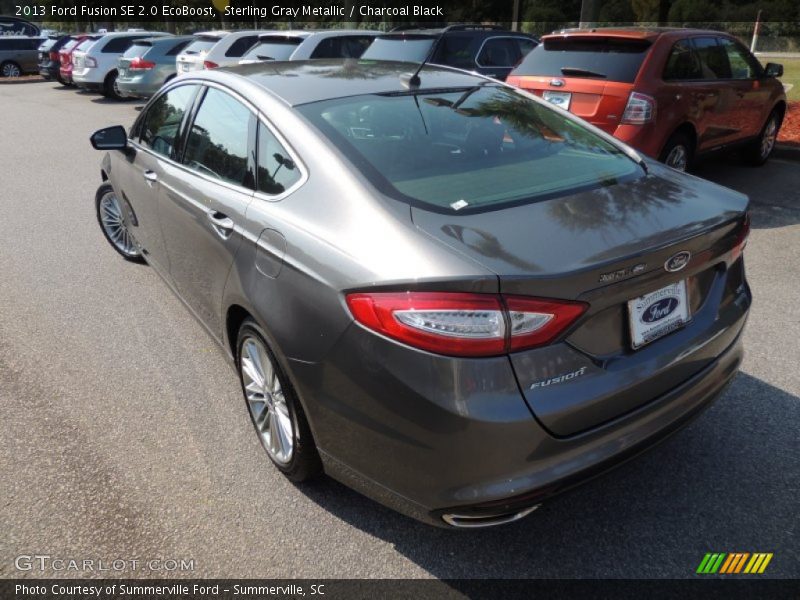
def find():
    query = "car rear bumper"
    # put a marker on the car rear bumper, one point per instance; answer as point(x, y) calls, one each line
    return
point(432, 436)
point(88, 78)
point(137, 87)
point(49, 70)
point(647, 139)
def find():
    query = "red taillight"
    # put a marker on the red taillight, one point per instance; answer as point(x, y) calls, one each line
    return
point(138, 64)
point(641, 109)
point(741, 238)
point(463, 324)
point(210, 64)
point(53, 55)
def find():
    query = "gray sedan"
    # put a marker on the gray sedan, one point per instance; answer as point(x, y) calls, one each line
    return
point(148, 64)
point(436, 288)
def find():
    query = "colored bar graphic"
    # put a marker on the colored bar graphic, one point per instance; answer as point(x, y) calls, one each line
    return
point(730, 563)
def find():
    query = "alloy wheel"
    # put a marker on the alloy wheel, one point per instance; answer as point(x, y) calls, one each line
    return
point(114, 226)
point(11, 70)
point(768, 138)
point(268, 406)
point(677, 158)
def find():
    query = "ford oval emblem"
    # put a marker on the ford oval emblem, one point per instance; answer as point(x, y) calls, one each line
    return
point(660, 309)
point(557, 82)
point(678, 261)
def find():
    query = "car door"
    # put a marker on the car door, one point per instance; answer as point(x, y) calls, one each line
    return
point(716, 99)
point(205, 198)
point(155, 138)
point(752, 100)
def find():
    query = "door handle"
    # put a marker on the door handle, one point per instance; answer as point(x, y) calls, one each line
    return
point(221, 223)
point(150, 176)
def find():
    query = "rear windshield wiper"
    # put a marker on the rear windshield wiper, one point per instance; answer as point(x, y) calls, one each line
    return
point(577, 71)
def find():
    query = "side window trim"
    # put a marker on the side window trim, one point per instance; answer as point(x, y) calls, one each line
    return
point(495, 37)
point(186, 124)
point(301, 167)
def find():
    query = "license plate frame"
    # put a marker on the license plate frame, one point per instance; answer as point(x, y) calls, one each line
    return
point(560, 99)
point(645, 323)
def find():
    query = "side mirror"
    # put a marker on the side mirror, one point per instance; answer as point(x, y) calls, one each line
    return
point(773, 70)
point(110, 138)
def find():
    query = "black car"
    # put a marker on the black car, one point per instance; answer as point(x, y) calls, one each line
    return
point(485, 49)
point(49, 61)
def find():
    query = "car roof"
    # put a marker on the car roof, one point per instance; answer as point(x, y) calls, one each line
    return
point(307, 33)
point(304, 81)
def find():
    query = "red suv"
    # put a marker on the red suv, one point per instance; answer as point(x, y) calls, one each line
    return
point(671, 93)
point(65, 55)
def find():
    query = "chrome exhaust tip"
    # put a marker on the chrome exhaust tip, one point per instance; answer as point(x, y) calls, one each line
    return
point(475, 521)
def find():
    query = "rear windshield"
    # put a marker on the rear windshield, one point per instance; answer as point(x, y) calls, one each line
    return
point(613, 59)
point(137, 50)
point(472, 148)
point(403, 48)
point(46, 45)
point(277, 48)
point(85, 44)
point(201, 45)
point(69, 45)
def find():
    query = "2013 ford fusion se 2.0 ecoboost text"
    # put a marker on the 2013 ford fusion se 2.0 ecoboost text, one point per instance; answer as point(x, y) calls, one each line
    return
point(435, 287)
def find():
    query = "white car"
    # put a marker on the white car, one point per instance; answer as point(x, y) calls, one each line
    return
point(95, 68)
point(306, 44)
point(212, 49)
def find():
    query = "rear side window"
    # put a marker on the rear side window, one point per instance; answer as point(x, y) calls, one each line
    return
point(218, 139)
point(176, 49)
point(274, 48)
point(277, 172)
point(713, 60)
point(162, 122)
point(499, 52)
point(242, 45)
point(609, 58)
point(409, 48)
point(117, 45)
point(345, 46)
point(201, 45)
point(742, 64)
point(683, 63)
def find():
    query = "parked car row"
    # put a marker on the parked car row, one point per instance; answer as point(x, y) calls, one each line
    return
point(671, 93)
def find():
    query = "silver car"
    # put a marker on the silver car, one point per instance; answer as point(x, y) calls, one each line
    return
point(148, 64)
point(434, 287)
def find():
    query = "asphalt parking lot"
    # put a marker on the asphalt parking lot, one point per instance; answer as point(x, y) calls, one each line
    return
point(124, 434)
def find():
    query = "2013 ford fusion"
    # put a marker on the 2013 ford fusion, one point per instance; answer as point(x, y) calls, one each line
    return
point(437, 289)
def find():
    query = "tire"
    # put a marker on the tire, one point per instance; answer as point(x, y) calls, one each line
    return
point(109, 216)
point(10, 69)
point(62, 81)
point(110, 90)
point(759, 151)
point(274, 406)
point(678, 152)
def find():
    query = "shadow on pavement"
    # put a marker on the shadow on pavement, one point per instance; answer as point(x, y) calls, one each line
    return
point(727, 482)
point(774, 188)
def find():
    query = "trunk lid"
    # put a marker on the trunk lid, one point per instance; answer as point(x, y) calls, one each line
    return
point(606, 247)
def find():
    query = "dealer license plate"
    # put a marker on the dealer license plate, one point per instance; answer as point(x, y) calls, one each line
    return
point(560, 99)
point(658, 313)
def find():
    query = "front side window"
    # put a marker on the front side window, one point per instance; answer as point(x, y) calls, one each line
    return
point(743, 65)
point(683, 64)
point(277, 172)
point(217, 142)
point(480, 147)
point(713, 60)
point(162, 122)
point(499, 52)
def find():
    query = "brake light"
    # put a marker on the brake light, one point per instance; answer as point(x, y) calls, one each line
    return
point(463, 324)
point(139, 64)
point(210, 64)
point(53, 55)
point(90, 62)
point(640, 109)
point(741, 238)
